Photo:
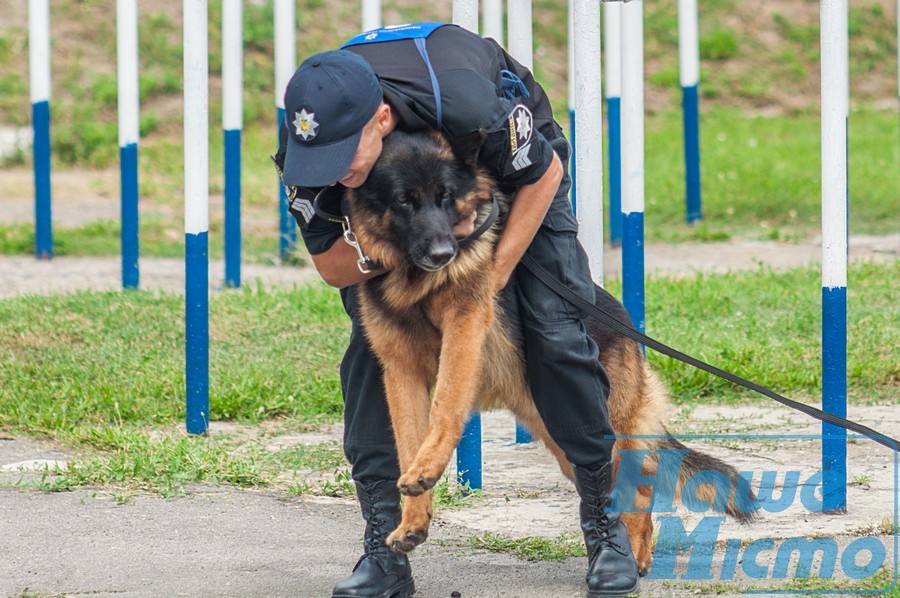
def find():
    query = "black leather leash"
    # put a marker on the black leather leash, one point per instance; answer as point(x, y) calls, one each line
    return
point(591, 309)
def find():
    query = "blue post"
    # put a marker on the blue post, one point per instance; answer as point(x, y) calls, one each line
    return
point(613, 111)
point(43, 228)
point(834, 398)
point(633, 267)
point(468, 454)
point(197, 331)
point(233, 208)
point(287, 226)
point(128, 166)
point(523, 436)
point(691, 111)
point(196, 214)
point(232, 123)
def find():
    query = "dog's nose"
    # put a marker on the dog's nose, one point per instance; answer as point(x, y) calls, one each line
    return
point(441, 253)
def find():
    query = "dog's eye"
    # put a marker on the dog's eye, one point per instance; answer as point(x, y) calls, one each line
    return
point(402, 200)
point(446, 198)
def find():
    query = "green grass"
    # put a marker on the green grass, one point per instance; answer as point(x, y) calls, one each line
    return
point(531, 548)
point(103, 373)
point(766, 326)
point(761, 179)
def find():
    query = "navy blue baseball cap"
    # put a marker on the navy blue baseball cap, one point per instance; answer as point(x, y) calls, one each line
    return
point(328, 101)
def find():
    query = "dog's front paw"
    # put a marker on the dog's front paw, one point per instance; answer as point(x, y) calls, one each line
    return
point(412, 485)
point(405, 539)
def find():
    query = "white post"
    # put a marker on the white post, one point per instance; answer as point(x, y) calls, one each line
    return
point(689, 69)
point(492, 17)
point(129, 134)
point(589, 132)
point(371, 14)
point(196, 213)
point(39, 88)
point(633, 161)
point(285, 63)
point(465, 14)
point(518, 20)
point(835, 108)
point(232, 124)
point(612, 65)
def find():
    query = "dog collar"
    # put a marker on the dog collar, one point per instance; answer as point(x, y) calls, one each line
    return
point(488, 223)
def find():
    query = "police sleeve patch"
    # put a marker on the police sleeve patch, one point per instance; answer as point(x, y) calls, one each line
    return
point(303, 207)
point(521, 127)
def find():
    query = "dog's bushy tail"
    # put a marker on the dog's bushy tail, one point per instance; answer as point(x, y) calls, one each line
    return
point(713, 481)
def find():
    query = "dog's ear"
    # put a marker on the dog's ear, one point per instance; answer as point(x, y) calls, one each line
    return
point(467, 147)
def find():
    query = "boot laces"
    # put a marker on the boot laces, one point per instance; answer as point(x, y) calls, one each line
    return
point(604, 527)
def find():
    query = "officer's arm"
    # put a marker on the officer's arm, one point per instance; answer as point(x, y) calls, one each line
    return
point(525, 217)
point(337, 266)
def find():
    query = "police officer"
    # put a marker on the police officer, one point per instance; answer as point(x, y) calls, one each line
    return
point(339, 106)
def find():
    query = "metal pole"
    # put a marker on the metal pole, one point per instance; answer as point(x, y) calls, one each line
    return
point(633, 161)
point(612, 62)
point(39, 87)
point(519, 31)
point(835, 104)
point(570, 74)
point(196, 214)
point(371, 14)
point(285, 63)
point(232, 123)
point(465, 14)
point(468, 451)
point(589, 132)
point(129, 135)
point(492, 19)
point(689, 69)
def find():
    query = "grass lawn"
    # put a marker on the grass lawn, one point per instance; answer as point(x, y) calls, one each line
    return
point(103, 373)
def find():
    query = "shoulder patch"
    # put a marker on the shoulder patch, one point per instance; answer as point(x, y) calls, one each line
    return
point(521, 126)
point(304, 207)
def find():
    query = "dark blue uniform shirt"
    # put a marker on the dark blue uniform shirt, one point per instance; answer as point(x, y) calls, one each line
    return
point(522, 134)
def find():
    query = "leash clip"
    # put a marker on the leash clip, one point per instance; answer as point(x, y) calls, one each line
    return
point(363, 262)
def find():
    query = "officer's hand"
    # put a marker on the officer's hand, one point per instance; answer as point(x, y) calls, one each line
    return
point(466, 226)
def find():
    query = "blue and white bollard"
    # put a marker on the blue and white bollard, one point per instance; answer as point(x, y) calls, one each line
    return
point(835, 108)
point(371, 15)
point(492, 20)
point(689, 71)
point(129, 135)
point(39, 87)
point(285, 63)
point(468, 455)
point(232, 123)
point(633, 161)
point(588, 83)
point(612, 56)
point(196, 214)
point(465, 14)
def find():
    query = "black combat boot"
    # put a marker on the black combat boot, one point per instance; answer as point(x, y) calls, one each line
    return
point(612, 570)
point(379, 573)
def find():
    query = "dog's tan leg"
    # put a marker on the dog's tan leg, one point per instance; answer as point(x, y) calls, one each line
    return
point(637, 518)
point(406, 388)
point(454, 397)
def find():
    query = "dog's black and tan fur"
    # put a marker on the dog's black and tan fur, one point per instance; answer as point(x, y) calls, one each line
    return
point(434, 322)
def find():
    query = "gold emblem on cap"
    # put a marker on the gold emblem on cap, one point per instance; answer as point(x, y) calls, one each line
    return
point(306, 125)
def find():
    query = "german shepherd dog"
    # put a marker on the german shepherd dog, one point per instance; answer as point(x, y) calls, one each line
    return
point(435, 324)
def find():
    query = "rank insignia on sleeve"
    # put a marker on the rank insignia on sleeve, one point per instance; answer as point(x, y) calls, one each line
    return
point(521, 127)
